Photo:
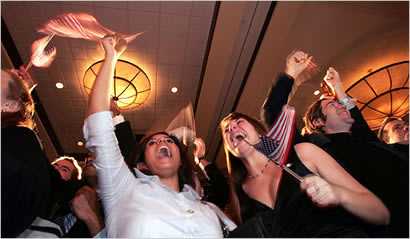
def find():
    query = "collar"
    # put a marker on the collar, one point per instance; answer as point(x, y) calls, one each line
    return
point(187, 191)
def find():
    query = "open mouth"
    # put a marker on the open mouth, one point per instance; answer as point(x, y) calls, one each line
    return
point(164, 152)
point(238, 137)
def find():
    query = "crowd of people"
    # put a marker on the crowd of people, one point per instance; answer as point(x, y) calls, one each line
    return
point(340, 178)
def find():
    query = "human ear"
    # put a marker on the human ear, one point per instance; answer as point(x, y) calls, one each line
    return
point(318, 123)
point(142, 166)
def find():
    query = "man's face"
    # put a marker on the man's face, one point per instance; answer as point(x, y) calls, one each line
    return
point(89, 168)
point(397, 130)
point(65, 168)
point(338, 118)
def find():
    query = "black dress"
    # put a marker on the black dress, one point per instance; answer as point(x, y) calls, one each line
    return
point(294, 214)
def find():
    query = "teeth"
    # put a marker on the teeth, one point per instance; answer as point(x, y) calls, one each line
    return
point(164, 152)
point(238, 137)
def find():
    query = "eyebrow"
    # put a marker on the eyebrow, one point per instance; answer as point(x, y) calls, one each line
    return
point(165, 137)
point(330, 101)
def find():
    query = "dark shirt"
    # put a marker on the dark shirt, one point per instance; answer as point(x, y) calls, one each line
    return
point(377, 166)
point(25, 184)
point(294, 215)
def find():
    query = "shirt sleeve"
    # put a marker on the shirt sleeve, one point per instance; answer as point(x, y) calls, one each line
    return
point(114, 177)
point(101, 234)
point(277, 97)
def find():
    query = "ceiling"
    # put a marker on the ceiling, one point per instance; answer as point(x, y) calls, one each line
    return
point(223, 56)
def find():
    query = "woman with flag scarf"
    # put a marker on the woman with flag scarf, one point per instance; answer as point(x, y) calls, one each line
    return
point(266, 196)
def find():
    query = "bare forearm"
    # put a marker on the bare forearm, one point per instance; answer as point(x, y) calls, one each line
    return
point(365, 206)
point(100, 94)
point(95, 224)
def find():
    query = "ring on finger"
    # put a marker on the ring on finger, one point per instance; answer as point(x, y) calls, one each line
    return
point(316, 188)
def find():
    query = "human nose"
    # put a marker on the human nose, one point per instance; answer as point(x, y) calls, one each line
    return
point(232, 127)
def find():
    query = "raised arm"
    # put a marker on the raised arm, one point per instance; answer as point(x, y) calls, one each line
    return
point(279, 92)
point(334, 186)
point(360, 128)
point(100, 94)
point(114, 177)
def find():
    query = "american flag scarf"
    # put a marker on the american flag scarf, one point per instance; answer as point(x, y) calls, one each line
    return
point(81, 25)
point(276, 143)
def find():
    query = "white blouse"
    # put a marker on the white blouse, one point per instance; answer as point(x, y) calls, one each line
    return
point(144, 207)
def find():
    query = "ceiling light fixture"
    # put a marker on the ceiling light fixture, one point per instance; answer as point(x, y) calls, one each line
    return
point(316, 92)
point(59, 85)
point(174, 89)
point(79, 143)
point(382, 93)
point(131, 85)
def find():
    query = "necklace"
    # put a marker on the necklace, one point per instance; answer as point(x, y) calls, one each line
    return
point(260, 173)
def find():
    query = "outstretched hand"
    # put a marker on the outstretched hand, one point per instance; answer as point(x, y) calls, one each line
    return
point(26, 77)
point(200, 148)
point(113, 46)
point(320, 191)
point(332, 78)
point(297, 62)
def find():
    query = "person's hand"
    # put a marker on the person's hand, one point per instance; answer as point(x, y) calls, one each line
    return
point(332, 79)
point(297, 62)
point(114, 108)
point(86, 207)
point(113, 46)
point(320, 191)
point(26, 77)
point(200, 148)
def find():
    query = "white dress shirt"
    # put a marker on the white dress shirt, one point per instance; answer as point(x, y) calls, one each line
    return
point(144, 207)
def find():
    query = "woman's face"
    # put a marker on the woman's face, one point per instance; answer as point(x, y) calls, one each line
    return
point(162, 156)
point(237, 135)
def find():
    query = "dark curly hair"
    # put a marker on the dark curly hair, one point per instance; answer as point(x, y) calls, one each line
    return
point(185, 171)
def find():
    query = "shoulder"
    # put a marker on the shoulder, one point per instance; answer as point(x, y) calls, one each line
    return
point(307, 147)
point(310, 155)
point(16, 138)
point(15, 131)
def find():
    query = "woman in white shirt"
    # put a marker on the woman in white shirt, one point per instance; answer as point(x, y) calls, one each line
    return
point(161, 205)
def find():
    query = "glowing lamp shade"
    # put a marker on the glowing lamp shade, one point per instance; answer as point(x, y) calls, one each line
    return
point(383, 93)
point(131, 85)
